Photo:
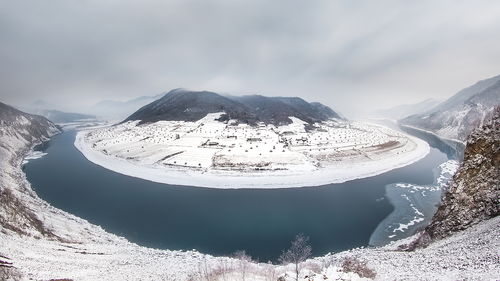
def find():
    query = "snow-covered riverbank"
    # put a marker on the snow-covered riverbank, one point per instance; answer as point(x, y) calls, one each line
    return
point(208, 153)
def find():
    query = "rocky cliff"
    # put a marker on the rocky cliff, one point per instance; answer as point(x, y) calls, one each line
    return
point(474, 194)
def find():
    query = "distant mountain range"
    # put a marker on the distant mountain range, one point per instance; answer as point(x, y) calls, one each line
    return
point(405, 110)
point(185, 105)
point(47, 110)
point(57, 116)
point(120, 109)
point(456, 117)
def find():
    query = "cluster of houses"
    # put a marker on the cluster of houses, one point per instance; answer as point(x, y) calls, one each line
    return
point(208, 142)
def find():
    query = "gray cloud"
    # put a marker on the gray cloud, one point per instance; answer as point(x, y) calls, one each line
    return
point(351, 55)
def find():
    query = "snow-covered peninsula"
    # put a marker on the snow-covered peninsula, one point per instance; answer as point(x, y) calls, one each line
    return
point(211, 153)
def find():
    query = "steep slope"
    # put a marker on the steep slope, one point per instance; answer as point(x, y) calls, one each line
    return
point(18, 132)
point(456, 117)
point(326, 111)
point(184, 105)
point(405, 110)
point(25, 127)
point(474, 194)
point(277, 110)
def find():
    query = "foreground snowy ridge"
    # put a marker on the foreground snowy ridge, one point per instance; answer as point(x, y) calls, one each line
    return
point(214, 154)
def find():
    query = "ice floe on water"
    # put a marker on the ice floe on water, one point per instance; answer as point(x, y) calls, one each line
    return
point(33, 155)
point(414, 205)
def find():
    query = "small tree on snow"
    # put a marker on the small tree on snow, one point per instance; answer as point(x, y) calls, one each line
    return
point(299, 251)
point(243, 262)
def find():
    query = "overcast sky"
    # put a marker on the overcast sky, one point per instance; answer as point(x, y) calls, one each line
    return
point(352, 55)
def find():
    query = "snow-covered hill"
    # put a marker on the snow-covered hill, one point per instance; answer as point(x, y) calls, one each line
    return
point(19, 132)
point(456, 117)
point(186, 105)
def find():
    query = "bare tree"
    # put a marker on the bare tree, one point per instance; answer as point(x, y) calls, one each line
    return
point(270, 272)
point(299, 251)
point(204, 270)
point(8, 272)
point(223, 269)
point(244, 261)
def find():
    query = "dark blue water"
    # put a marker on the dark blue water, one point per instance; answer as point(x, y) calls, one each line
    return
point(336, 217)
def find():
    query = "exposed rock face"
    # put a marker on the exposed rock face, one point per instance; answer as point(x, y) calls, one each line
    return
point(458, 116)
point(184, 105)
point(474, 194)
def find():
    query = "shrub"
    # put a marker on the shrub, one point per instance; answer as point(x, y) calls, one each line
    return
point(353, 264)
point(9, 273)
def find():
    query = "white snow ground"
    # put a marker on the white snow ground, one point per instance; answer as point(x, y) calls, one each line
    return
point(213, 154)
point(96, 255)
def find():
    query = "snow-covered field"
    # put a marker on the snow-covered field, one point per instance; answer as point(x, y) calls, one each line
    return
point(210, 153)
